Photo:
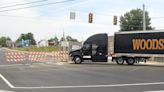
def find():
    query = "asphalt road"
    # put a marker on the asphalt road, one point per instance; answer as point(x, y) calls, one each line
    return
point(86, 77)
point(81, 78)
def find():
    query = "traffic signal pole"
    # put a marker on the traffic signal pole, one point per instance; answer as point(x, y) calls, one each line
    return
point(144, 21)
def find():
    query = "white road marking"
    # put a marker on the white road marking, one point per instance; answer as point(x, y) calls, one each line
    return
point(155, 91)
point(6, 81)
point(82, 86)
point(91, 86)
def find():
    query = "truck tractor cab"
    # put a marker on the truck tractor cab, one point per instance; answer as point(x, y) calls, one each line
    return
point(95, 48)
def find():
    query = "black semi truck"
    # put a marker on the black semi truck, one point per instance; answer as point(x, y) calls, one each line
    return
point(129, 47)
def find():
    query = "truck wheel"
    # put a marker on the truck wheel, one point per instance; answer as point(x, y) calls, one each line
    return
point(120, 61)
point(130, 61)
point(77, 60)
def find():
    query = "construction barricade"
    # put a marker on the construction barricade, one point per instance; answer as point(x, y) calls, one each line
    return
point(60, 56)
point(37, 56)
point(15, 56)
point(31, 57)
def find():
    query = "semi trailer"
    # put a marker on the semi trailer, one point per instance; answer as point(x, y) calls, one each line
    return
point(124, 47)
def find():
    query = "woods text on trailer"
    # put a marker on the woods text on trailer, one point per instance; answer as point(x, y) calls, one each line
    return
point(129, 47)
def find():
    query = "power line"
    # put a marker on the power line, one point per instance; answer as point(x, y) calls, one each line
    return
point(19, 16)
point(95, 13)
point(98, 13)
point(60, 9)
point(35, 18)
point(36, 5)
point(24, 17)
point(20, 4)
point(10, 3)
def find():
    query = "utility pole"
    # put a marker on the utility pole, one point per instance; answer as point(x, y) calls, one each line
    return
point(144, 21)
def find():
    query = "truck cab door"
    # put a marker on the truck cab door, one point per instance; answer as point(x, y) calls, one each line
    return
point(98, 53)
point(96, 48)
point(87, 51)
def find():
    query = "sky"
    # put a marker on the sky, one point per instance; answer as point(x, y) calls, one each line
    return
point(52, 19)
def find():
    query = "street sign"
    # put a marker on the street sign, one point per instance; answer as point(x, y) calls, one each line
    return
point(72, 15)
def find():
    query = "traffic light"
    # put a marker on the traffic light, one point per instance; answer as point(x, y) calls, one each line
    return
point(115, 20)
point(90, 20)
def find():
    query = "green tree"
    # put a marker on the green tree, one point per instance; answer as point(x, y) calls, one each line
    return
point(133, 20)
point(3, 41)
point(55, 39)
point(69, 38)
point(29, 36)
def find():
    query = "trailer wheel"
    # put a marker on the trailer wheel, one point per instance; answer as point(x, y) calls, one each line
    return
point(130, 61)
point(120, 61)
point(77, 59)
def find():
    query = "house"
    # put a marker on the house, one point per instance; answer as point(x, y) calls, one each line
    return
point(52, 42)
point(42, 43)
